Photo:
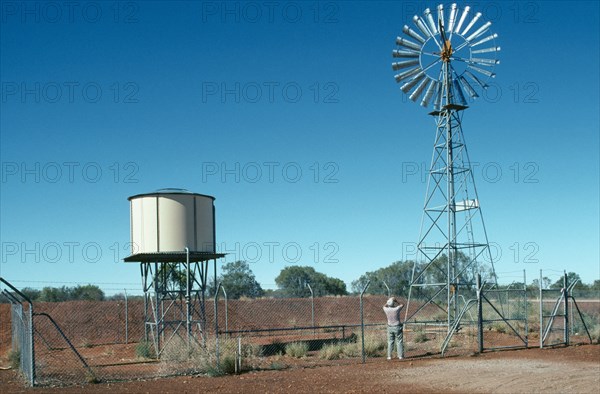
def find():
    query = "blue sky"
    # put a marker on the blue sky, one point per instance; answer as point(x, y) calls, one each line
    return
point(289, 115)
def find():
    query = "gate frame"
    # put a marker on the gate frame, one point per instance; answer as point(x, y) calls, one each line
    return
point(30, 361)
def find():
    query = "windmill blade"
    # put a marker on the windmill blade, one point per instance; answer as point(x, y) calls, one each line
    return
point(479, 31)
point(408, 31)
point(407, 63)
point(452, 18)
point(486, 50)
point(400, 53)
point(467, 86)
point(462, 19)
point(482, 71)
point(430, 22)
point(406, 74)
point(440, 9)
point(459, 93)
point(485, 62)
point(476, 80)
point(411, 84)
point(429, 93)
point(415, 95)
point(408, 44)
point(486, 39)
point(421, 26)
point(470, 25)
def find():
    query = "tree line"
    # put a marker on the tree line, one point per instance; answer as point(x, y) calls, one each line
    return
point(65, 293)
point(292, 282)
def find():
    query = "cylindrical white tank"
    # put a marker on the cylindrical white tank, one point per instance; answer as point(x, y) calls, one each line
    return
point(169, 220)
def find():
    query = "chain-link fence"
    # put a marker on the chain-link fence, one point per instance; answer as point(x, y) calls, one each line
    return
point(84, 341)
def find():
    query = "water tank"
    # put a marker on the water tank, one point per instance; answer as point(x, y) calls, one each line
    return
point(169, 220)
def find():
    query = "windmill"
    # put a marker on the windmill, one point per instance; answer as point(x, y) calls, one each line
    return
point(447, 62)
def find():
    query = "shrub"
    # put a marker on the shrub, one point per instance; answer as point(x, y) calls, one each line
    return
point(276, 365)
point(595, 333)
point(352, 349)
point(227, 364)
point(421, 337)
point(333, 351)
point(14, 359)
point(499, 327)
point(145, 349)
point(375, 343)
point(296, 349)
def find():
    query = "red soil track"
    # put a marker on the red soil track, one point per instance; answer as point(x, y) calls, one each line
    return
point(572, 369)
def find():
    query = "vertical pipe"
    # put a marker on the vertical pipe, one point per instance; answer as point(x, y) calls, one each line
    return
point(541, 312)
point(362, 321)
point(126, 319)
point(144, 269)
point(157, 315)
point(566, 308)
point(188, 322)
point(451, 236)
point(479, 314)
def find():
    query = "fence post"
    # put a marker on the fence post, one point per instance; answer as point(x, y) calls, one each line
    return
point(387, 287)
point(216, 299)
point(479, 314)
point(225, 295)
point(312, 305)
point(239, 356)
point(31, 346)
point(30, 331)
point(526, 309)
point(362, 321)
point(566, 308)
point(126, 319)
point(541, 312)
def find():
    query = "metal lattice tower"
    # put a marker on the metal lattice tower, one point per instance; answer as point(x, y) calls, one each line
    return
point(453, 245)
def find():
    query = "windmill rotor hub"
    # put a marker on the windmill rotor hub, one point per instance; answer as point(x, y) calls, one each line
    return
point(447, 52)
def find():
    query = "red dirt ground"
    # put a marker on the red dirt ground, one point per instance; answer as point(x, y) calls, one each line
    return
point(573, 369)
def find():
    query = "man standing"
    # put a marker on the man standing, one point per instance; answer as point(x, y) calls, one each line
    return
point(394, 327)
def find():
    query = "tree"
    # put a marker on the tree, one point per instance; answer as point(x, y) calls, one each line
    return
point(171, 277)
point(545, 283)
point(292, 281)
point(31, 293)
point(396, 275)
point(238, 280)
point(54, 294)
point(87, 293)
point(59, 294)
point(571, 278)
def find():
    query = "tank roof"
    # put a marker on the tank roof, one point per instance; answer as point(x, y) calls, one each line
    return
point(167, 191)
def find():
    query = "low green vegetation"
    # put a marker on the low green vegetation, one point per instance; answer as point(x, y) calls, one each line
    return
point(145, 349)
point(296, 349)
point(14, 359)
